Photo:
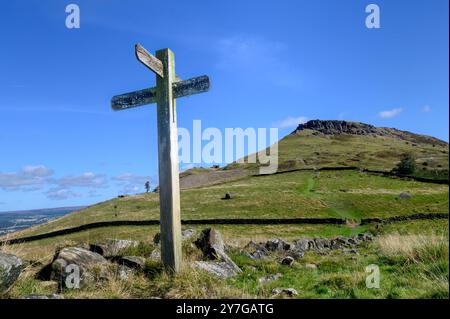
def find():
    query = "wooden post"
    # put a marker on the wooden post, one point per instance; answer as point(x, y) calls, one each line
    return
point(169, 184)
point(168, 88)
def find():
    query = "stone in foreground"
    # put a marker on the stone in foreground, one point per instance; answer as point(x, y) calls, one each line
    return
point(211, 244)
point(269, 278)
point(112, 247)
point(290, 292)
point(256, 251)
point(10, 268)
point(220, 269)
point(287, 261)
point(277, 245)
point(134, 262)
point(67, 261)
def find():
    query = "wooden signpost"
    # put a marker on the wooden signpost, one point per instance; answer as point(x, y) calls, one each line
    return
point(168, 88)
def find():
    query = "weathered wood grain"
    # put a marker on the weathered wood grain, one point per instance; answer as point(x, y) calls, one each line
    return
point(149, 60)
point(169, 183)
point(199, 84)
point(192, 86)
point(133, 99)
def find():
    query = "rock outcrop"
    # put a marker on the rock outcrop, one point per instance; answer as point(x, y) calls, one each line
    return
point(217, 261)
point(290, 292)
point(336, 127)
point(134, 262)
point(270, 278)
point(76, 262)
point(292, 252)
point(10, 268)
point(112, 247)
point(211, 244)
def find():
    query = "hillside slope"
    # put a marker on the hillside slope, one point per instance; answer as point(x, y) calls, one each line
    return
point(317, 144)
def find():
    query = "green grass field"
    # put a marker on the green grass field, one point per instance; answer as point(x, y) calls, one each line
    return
point(342, 194)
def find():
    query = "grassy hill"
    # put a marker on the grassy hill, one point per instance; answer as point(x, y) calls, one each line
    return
point(339, 143)
point(402, 249)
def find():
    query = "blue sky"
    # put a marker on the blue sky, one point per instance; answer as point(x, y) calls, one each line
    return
point(270, 63)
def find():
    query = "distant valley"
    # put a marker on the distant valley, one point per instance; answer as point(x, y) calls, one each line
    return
point(18, 220)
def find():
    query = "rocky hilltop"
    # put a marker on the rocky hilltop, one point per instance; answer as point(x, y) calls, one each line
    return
point(336, 127)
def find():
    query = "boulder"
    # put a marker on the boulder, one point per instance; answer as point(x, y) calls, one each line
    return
point(256, 251)
point(340, 242)
point(10, 268)
point(157, 238)
point(134, 262)
point(295, 253)
point(222, 269)
point(80, 260)
point(156, 254)
point(405, 195)
point(287, 261)
point(277, 245)
point(211, 244)
point(228, 196)
point(365, 236)
point(269, 278)
point(187, 234)
point(285, 291)
point(353, 241)
point(302, 244)
point(321, 243)
point(112, 247)
point(312, 244)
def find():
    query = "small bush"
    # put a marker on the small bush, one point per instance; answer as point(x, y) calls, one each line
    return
point(407, 165)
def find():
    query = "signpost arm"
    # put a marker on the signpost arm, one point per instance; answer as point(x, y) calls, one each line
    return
point(169, 193)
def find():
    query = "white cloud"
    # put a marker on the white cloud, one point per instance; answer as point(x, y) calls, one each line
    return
point(131, 178)
point(37, 170)
point(31, 177)
point(89, 179)
point(426, 109)
point(39, 177)
point(291, 122)
point(390, 113)
point(58, 193)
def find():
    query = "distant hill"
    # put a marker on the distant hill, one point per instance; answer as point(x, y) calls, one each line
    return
point(334, 127)
point(332, 143)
